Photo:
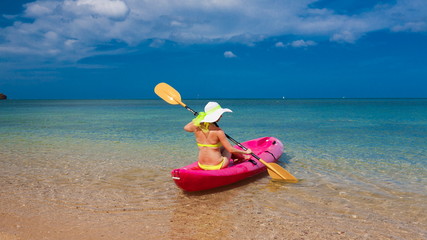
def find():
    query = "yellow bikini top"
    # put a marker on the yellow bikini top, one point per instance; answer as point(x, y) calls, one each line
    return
point(204, 126)
point(210, 145)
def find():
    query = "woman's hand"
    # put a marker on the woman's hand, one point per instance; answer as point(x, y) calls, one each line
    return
point(247, 155)
point(242, 155)
point(248, 151)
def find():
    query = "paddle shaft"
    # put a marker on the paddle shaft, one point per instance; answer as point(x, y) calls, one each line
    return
point(171, 96)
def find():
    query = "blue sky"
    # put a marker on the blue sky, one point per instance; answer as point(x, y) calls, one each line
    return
point(120, 49)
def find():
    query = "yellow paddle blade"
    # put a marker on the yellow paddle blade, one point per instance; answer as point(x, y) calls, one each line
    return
point(279, 173)
point(274, 175)
point(168, 93)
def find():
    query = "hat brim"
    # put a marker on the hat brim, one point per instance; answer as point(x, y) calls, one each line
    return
point(213, 117)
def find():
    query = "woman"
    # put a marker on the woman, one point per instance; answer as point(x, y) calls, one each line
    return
point(214, 148)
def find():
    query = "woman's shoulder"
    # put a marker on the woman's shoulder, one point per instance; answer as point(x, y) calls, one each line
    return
point(214, 128)
point(217, 131)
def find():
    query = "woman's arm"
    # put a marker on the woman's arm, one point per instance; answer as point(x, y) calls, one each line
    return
point(223, 139)
point(190, 127)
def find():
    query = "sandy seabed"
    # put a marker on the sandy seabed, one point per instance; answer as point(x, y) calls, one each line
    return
point(257, 208)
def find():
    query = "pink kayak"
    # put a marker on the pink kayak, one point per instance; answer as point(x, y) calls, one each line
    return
point(193, 178)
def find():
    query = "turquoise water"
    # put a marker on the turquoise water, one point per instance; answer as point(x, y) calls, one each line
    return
point(117, 154)
point(383, 141)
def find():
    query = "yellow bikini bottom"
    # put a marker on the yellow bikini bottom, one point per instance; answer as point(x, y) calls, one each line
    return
point(211, 167)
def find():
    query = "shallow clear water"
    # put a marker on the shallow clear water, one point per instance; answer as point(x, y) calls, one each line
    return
point(114, 155)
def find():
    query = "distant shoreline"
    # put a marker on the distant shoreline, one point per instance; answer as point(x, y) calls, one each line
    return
point(206, 99)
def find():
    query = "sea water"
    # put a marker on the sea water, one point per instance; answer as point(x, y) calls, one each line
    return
point(356, 158)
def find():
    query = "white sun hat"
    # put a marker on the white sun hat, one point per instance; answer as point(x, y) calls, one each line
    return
point(213, 112)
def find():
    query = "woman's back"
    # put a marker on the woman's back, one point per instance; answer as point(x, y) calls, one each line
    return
point(209, 145)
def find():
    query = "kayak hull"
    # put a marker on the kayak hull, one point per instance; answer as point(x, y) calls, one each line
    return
point(192, 178)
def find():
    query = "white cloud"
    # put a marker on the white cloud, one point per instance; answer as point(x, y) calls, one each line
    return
point(156, 43)
point(411, 26)
point(302, 43)
point(110, 8)
point(77, 27)
point(229, 54)
point(280, 45)
point(70, 42)
point(296, 44)
point(345, 36)
point(37, 9)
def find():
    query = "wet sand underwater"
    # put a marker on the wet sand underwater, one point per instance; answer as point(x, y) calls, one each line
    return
point(101, 170)
point(144, 203)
